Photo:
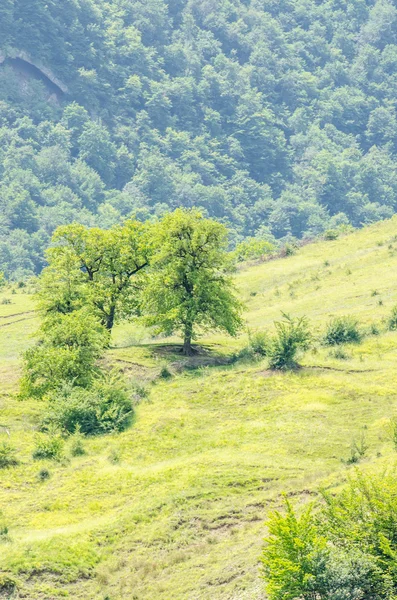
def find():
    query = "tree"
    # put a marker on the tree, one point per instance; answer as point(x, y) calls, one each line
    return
point(188, 286)
point(97, 266)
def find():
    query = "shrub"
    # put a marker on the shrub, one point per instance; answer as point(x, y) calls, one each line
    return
point(165, 373)
point(44, 474)
point(244, 354)
point(331, 234)
point(292, 336)
point(345, 550)
point(76, 445)
point(8, 585)
point(342, 330)
point(7, 455)
point(339, 354)
point(358, 450)
point(288, 250)
point(48, 447)
point(67, 351)
point(286, 559)
point(253, 248)
point(374, 329)
point(392, 323)
point(259, 342)
point(105, 407)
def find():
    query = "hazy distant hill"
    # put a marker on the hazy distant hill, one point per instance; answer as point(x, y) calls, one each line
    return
point(277, 117)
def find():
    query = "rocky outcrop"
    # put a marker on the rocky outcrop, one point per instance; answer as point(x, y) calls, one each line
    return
point(45, 72)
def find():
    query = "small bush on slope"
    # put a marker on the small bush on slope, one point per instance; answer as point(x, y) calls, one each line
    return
point(7, 456)
point(105, 407)
point(48, 447)
point(292, 336)
point(259, 342)
point(392, 323)
point(342, 330)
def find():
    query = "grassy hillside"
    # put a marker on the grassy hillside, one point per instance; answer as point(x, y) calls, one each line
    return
point(174, 507)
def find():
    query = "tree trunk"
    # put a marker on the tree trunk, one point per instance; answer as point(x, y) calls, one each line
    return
point(187, 341)
point(110, 318)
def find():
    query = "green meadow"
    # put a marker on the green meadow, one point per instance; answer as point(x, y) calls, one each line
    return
point(174, 508)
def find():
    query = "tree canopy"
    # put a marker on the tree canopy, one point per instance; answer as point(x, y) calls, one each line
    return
point(188, 285)
point(95, 267)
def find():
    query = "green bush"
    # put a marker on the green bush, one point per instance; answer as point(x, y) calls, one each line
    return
point(44, 474)
point(48, 447)
point(331, 234)
point(339, 354)
point(8, 585)
point(244, 354)
point(344, 550)
point(392, 323)
point(292, 335)
point(253, 248)
point(259, 341)
point(358, 450)
point(67, 351)
point(105, 407)
point(165, 373)
point(342, 330)
point(7, 455)
point(76, 443)
point(374, 329)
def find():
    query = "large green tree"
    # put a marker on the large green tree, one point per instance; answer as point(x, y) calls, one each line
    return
point(98, 267)
point(188, 287)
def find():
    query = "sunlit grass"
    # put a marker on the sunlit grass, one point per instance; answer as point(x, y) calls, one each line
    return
point(173, 508)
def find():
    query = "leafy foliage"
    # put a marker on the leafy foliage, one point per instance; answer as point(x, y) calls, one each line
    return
point(8, 456)
point(260, 342)
point(67, 351)
point(48, 447)
point(252, 248)
point(104, 407)
point(292, 335)
point(392, 323)
point(344, 551)
point(95, 267)
point(342, 330)
point(188, 285)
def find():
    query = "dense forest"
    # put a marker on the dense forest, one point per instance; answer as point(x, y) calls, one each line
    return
point(278, 118)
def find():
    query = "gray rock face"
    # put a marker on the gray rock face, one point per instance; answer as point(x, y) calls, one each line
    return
point(23, 56)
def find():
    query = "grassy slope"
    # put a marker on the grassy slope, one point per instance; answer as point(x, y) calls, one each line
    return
point(180, 515)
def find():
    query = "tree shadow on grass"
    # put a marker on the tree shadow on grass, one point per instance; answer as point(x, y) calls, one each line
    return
point(203, 356)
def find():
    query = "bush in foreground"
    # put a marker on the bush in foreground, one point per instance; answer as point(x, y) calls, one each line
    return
point(103, 408)
point(342, 330)
point(343, 551)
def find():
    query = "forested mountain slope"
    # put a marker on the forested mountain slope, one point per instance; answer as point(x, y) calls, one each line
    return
point(276, 117)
